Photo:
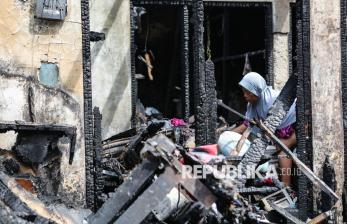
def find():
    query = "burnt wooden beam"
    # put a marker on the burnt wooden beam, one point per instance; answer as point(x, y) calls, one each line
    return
point(304, 113)
point(88, 105)
point(133, 47)
point(199, 71)
point(97, 36)
point(150, 198)
point(28, 127)
point(126, 193)
point(269, 45)
point(98, 148)
point(211, 103)
point(126, 134)
point(185, 61)
point(204, 82)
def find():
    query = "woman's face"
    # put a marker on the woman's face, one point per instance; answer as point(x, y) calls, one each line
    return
point(249, 97)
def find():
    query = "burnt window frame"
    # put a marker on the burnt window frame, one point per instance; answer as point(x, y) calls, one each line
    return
point(186, 61)
point(182, 5)
point(303, 71)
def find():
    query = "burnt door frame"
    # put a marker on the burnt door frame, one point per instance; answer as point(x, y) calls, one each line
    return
point(182, 5)
point(300, 66)
point(88, 106)
point(186, 62)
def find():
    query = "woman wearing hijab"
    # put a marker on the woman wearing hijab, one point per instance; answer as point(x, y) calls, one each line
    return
point(260, 98)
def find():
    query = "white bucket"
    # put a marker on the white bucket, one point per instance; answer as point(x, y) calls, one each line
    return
point(227, 143)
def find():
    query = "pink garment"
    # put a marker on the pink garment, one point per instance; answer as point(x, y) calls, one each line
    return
point(285, 132)
point(280, 133)
point(177, 122)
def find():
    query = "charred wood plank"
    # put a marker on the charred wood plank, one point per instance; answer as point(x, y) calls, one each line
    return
point(12, 201)
point(269, 44)
point(211, 102)
point(44, 130)
point(98, 177)
point(304, 113)
point(126, 193)
point(185, 61)
point(116, 143)
point(152, 196)
point(97, 36)
point(114, 152)
point(204, 82)
point(133, 46)
point(88, 105)
point(123, 135)
point(199, 72)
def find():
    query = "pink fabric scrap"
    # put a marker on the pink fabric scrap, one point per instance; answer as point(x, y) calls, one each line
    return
point(177, 122)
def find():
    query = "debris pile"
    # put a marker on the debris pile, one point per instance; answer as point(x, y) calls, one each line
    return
point(30, 177)
point(158, 175)
point(153, 174)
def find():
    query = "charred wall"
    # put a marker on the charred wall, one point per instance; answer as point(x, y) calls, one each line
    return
point(48, 105)
point(111, 64)
point(30, 49)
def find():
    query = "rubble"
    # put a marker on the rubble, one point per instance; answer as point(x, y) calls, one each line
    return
point(150, 168)
point(141, 176)
point(149, 175)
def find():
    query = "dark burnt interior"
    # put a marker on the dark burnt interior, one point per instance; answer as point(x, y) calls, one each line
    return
point(161, 28)
point(234, 32)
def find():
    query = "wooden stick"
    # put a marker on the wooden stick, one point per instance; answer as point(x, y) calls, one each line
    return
point(310, 175)
point(242, 140)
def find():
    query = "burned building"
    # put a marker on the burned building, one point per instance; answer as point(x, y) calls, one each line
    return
point(60, 59)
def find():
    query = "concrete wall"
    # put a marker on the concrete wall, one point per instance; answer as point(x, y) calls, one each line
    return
point(281, 21)
point(327, 123)
point(25, 43)
point(111, 64)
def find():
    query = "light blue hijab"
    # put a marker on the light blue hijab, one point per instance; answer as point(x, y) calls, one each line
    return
point(256, 84)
